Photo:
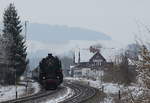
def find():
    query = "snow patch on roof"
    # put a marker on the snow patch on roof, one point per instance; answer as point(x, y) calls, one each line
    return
point(110, 54)
point(85, 55)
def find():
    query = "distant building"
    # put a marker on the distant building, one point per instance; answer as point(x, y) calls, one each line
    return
point(88, 64)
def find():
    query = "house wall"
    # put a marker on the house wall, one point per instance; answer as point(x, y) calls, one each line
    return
point(77, 73)
point(86, 72)
point(91, 69)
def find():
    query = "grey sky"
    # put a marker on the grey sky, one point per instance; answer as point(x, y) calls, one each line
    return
point(113, 17)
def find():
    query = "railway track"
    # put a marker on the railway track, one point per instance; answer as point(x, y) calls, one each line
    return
point(31, 98)
point(81, 93)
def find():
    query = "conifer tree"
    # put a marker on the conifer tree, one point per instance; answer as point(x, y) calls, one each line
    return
point(16, 47)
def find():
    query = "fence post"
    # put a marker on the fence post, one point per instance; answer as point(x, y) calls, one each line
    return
point(119, 95)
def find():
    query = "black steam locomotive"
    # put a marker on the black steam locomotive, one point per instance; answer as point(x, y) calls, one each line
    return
point(49, 72)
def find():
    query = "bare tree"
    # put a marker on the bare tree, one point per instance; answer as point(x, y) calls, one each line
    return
point(143, 69)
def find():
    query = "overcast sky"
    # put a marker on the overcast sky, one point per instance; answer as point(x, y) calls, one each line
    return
point(116, 18)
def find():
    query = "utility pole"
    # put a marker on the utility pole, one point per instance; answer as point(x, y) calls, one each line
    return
point(25, 37)
point(26, 72)
point(26, 30)
point(16, 83)
point(15, 69)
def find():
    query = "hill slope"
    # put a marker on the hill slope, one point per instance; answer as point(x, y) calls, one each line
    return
point(57, 34)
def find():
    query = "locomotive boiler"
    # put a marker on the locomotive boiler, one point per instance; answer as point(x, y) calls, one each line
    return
point(49, 72)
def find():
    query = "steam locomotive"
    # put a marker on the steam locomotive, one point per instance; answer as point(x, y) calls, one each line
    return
point(49, 72)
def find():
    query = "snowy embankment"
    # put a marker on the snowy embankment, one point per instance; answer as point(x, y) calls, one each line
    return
point(108, 87)
point(61, 96)
point(9, 92)
point(36, 87)
point(112, 89)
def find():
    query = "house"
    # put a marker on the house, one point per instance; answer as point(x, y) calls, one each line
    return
point(97, 60)
point(88, 64)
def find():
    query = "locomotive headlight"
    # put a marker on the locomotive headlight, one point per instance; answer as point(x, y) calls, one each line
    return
point(43, 77)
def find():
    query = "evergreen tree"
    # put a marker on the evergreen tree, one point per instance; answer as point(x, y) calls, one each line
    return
point(16, 44)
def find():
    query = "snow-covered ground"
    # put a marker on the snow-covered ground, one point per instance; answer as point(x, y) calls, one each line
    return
point(62, 96)
point(111, 89)
point(36, 87)
point(9, 92)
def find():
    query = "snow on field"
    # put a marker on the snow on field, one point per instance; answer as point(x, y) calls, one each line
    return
point(36, 87)
point(68, 93)
point(111, 88)
point(108, 100)
point(9, 92)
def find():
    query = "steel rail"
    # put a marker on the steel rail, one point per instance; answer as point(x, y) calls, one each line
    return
point(81, 93)
point(33, 97)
